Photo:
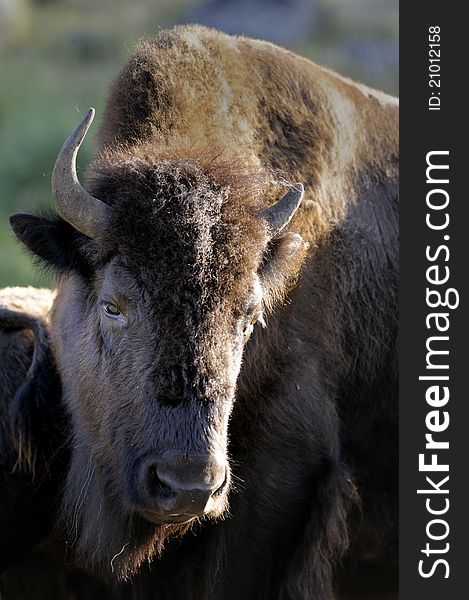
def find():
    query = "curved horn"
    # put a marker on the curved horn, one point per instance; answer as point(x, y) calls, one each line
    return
point(84, 212)
point(280, 214)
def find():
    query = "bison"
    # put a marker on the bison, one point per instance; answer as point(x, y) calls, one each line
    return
point(31, 424)
point(33, 457)
point(226, 337)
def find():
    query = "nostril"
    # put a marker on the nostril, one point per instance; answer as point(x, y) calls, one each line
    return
point(157, 494)
point(155, 486)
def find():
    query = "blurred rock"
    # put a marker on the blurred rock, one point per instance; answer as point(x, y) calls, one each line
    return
point(284, 22)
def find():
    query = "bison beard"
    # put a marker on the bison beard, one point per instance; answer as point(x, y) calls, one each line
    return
point(106, 538)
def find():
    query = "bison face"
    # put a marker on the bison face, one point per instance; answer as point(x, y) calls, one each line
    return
point(149, 369)
point(157, 299)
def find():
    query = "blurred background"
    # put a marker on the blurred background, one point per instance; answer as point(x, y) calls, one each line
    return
point(57, 58)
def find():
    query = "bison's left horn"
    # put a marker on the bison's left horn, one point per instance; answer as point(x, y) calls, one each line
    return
point(77, 206)
point(280, 214)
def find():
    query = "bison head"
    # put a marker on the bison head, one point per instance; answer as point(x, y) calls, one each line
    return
point(161, 281)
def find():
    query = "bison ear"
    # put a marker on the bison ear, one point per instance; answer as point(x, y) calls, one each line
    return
point(51, 239)
point(280, 269)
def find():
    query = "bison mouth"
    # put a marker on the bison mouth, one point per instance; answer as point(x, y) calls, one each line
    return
point(187, 506)
point(176, 519)
point(105, 523)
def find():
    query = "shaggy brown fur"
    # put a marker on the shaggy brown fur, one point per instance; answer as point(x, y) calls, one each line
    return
point(27, 489)
point(24, 315)
point(200, 134)
point(33, 455)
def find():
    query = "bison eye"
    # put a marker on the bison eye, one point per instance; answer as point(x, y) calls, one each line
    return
point(111, 310)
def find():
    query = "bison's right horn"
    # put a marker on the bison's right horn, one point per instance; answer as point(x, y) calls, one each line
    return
point(84, 212)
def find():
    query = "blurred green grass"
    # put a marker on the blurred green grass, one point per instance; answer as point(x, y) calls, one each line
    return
point(62, 61)
point(61, 64)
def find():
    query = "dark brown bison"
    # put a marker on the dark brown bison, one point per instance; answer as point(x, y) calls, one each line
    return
point(227, 343)
point(33, 457)
point(30, 423)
